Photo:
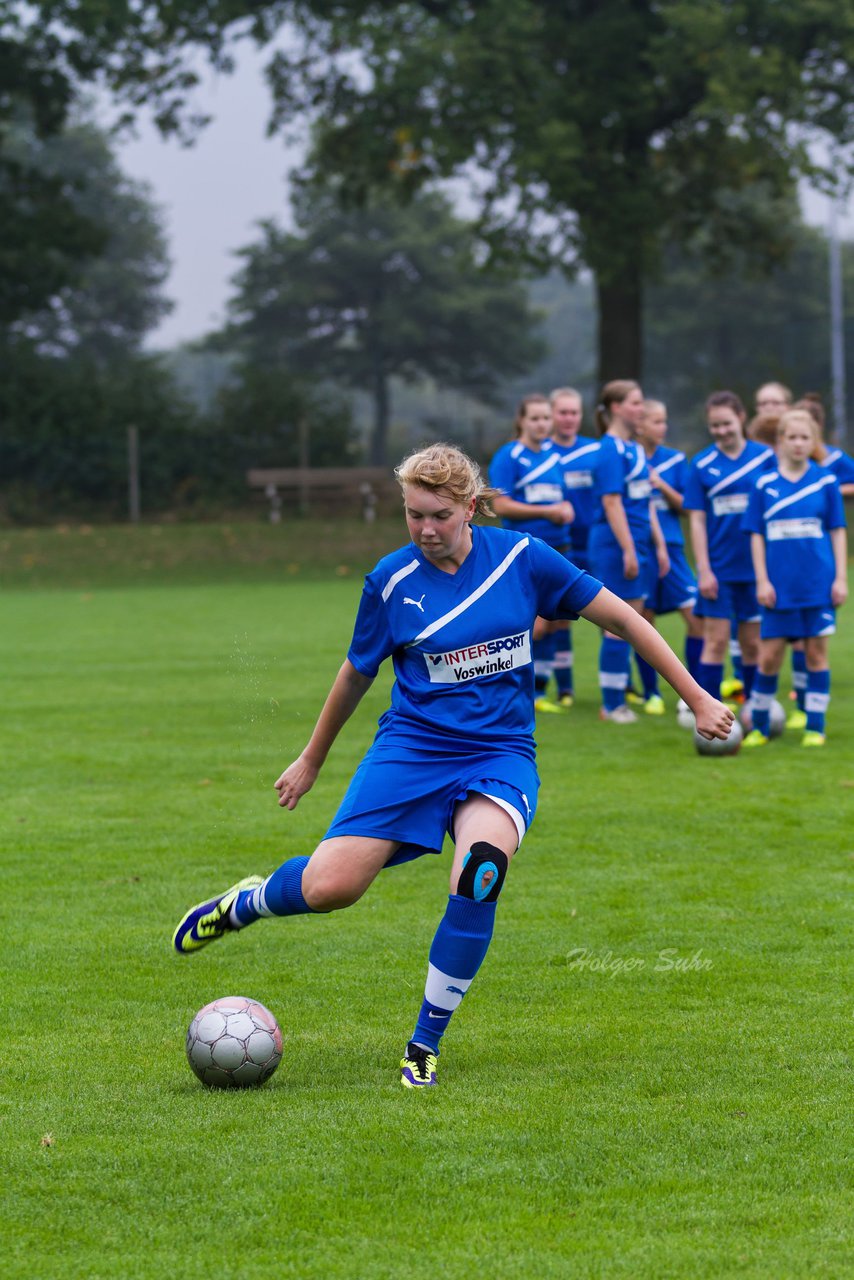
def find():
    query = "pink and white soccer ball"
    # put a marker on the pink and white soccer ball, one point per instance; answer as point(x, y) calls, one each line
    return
point(234, 1043)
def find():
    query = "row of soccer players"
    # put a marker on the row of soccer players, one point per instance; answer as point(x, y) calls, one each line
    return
point(767, 528)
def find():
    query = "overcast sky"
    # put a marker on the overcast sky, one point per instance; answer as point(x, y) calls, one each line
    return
point(214, 192)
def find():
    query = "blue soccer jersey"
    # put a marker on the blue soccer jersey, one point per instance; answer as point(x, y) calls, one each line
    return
point(672, 466)
point(620, 467)
point(795, 518)
point(461, 643)
point(577, 462)
point(721, 486)
point(535, 478)
point(841, 464)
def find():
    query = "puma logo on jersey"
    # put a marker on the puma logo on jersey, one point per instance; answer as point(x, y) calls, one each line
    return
point(417, 603)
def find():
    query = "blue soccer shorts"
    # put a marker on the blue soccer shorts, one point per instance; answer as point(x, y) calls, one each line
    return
point(736, 600)
point(677, 589)
point(606, 564)
point(409, 784)
point(797, 624)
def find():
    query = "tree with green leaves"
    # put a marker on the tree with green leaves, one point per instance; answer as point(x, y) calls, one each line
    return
point(103, 302)
point(594, 133)
point(366, 294)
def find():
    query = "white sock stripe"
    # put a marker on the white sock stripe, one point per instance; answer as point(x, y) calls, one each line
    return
point(816, 702)
point(761, 701)
point(799, 679)
point(613, 680)
point(543, 667)
point(259, 899)
point(563, 659)
point(439, 988)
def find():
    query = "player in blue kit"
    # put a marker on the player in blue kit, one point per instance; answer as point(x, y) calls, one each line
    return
point(842, 466)
point(720, 480)
point(626, 545)
point(531, 497)
point(796, 523)
point(677, 590)
point(575, 452)
point(454, 753)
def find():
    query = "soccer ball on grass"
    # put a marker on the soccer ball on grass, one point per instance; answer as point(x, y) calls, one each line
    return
point(234, 1043)
point(720, 746)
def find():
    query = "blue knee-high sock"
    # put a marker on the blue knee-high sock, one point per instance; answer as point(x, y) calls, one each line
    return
point(748, 676)
point(279, 895)
point(544, 660)
point(614, 658)
point(459, 946)
point(709, 675)
point(648, 675)
point(764, 689)
point(693, 649)
point(817, 699)
point(799, 676)
point(563, 661)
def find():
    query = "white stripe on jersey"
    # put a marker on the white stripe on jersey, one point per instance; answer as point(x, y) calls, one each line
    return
point(833, 456)
point(398, 577)
point(669, 462)
point(639, 464)
point(538, 471)
point(578, 453)
point(742, 471)
point(802, 493)
point(498, 572)
point(764, 481)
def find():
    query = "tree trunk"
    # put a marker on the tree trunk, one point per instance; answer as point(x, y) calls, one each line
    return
point(379, 436)
point(620, 327)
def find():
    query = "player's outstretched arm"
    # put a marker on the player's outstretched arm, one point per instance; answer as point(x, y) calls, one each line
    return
point(347, 691)
point(609, 611)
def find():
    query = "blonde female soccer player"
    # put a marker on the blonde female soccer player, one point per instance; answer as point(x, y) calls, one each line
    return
point(796, 523)
point(454, 753)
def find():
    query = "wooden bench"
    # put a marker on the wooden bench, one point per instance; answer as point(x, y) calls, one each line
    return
point(344, 488)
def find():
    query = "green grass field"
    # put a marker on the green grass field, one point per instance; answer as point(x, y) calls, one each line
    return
point(602, 1111)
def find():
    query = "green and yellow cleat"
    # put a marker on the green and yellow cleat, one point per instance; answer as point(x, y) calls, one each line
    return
point(796, 720)
point(654, 705)
point(813, 739)
point(546, 704)
point(756, 738)
point(417, 1067)
point(732, 690)
point(209, 920)
point(565, 700)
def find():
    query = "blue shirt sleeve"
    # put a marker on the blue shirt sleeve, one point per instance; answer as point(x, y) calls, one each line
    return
point(372, 640)
point(502, 473)
point(751, 521)
point(835, 508)
point(611, 473)
point(843, 468)
point(563, 589)
point(694, 497)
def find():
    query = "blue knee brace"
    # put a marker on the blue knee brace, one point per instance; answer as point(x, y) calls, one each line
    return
point(483, 861)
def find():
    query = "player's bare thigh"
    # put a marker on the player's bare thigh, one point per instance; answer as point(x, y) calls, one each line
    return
point(342, 868)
